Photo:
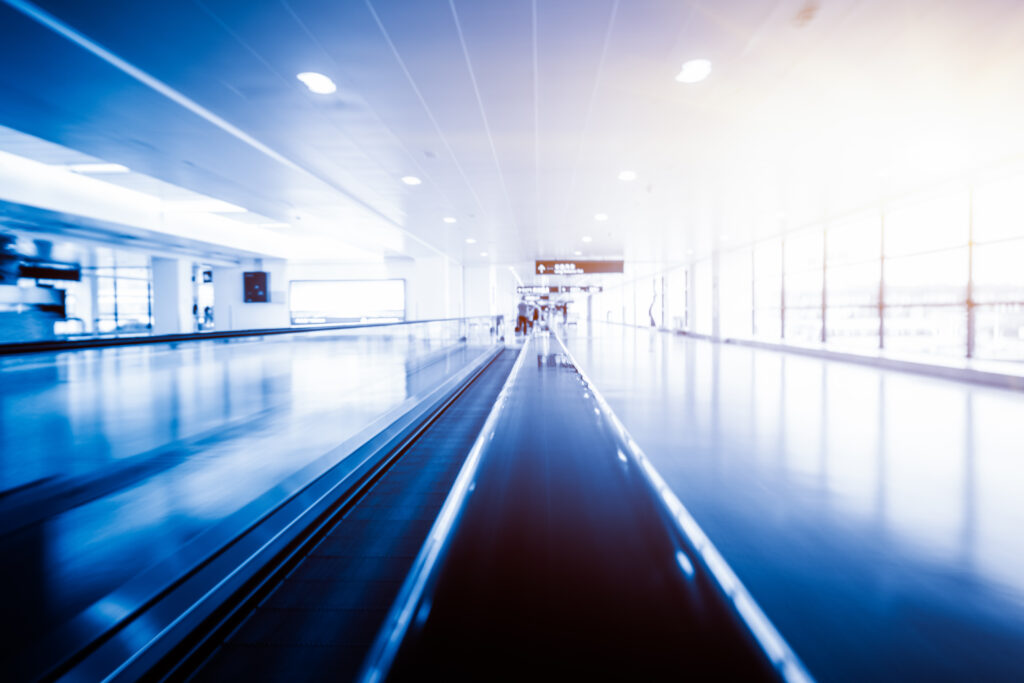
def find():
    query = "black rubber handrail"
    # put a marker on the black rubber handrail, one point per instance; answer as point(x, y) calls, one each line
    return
point(100, 342)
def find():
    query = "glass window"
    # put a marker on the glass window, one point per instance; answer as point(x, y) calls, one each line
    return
point(999, 210)
point(804, 251)
point(768, 277)
point(854, 285)
point(768, 323)
point(939, 277)
point(999, 272)
point(852, 327)
point(926, 329)
point(702, 298)
point(999, 332)
point(768, 292)
point(856, 241)
point(803, 289)
point(735, 297)
point(940, 222)
point(803, 325)
point(768, 259)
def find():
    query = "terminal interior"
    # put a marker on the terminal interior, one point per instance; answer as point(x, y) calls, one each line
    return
point(508, 340)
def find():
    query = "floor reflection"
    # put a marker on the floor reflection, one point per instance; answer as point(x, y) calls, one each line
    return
point(866, 510)
point(113, 460)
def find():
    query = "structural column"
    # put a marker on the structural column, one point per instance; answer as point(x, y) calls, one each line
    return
point(172, 296)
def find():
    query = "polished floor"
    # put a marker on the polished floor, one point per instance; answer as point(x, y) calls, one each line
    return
point(874, 515)
point(115, 460)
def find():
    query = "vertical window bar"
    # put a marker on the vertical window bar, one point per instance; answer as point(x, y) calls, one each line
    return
point(782, 290)
point(753, 290)
point(971, 317)
point(881, 280)
point(824, 282)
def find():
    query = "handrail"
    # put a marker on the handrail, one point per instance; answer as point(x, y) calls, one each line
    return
point(45, 345)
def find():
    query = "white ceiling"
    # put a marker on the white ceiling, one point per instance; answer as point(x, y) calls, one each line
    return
point(519, 114)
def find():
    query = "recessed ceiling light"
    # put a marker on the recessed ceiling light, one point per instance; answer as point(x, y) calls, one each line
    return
point(98, 168)
point(470, 240)
point(587, 238)
point(448, 219)
point(600, 216)
point(627, 175)
point(483, 253)
point(577, 253)
point(694, 71)
point(724, 238)
point(203, 206)
point(317, 83)
point(689, 252)
point(411, 180)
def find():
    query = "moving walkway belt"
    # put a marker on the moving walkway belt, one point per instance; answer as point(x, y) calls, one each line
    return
point(565, 563)
point(317, 616)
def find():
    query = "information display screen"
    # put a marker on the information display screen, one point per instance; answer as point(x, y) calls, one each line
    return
point(564, 289)
point(577, 267)
point(346, 301)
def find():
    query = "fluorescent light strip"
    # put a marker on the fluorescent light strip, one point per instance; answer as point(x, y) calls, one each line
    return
point(101, 168)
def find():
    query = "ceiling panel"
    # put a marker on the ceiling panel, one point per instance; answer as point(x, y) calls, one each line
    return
point(518, 114)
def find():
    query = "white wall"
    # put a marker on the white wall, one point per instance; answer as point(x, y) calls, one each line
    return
point(231, 312)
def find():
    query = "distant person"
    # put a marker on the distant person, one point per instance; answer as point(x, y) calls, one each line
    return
point(521, 321)
point(535, 317)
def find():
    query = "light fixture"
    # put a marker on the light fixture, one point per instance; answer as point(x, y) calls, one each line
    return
point(317, 83)
point(470, 240)
point(587, 238)
point(627, 176)
point(689, 252)
point(483, 253)
point(600, 216)
point(448, 219)
point(577, 253)
point(98, 168)
point(208, 205)
point(694, 71)
point(411, 180)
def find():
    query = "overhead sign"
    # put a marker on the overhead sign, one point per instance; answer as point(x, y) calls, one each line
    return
point(577, 267)
point(564, 289)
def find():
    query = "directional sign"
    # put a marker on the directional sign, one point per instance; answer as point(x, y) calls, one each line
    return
point(535, 289)
point(577, 267)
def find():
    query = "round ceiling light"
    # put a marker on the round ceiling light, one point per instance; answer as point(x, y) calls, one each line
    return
point(627, 176)
point(411, 180)
point(694, 71)
point(317, 83)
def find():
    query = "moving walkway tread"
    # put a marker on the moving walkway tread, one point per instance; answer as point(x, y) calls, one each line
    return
point(319, 621)
point(563, 565)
